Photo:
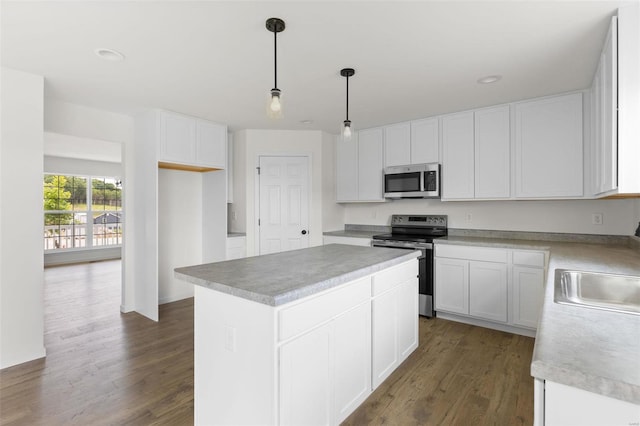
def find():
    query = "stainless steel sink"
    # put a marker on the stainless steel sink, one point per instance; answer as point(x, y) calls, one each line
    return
point(619, 293)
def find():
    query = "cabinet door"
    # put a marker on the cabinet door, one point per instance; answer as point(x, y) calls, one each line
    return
point(492, 153)
point(407, 318)
point(177, 138)
point(352, 354)
point(397, 144)
point(457, 156)
point(609, 104)
point(596, 128)
point(347, 169)
point(527, 295)
point(385, 335)
point(370, 165)
point(305, 379)
point(424, 141)
point(452, 285)
point(488, 290)
point(229, 168)
point(548, 147)
point(211, 144)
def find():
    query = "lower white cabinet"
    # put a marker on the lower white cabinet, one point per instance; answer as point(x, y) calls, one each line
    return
point(497, 286)
point(562, 405)
point(236, 247)
point(394, 309)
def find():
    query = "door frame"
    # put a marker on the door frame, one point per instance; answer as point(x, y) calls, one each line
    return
point(256, 192)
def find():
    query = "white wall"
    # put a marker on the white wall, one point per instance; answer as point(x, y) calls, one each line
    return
point(21, 265)
point(81, 167)
point(535, 216)
point(59, 145)
point(248, 146)
point(179, 230)
point(332, 212)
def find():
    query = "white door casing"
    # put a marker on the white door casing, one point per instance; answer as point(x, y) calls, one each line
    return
point(283, 211)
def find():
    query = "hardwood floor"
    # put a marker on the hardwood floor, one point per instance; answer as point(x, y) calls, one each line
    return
point(103, 367)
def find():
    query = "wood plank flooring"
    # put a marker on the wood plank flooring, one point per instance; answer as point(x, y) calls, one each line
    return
point(107, 368)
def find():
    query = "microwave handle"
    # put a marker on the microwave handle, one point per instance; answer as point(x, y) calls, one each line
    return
point(422, 184)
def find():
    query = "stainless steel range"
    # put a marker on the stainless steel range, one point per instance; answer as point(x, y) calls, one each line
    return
point(417, 232)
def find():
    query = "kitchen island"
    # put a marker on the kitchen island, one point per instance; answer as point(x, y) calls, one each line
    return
point(300, 337)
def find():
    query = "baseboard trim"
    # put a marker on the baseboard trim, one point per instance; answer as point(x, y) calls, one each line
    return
point(487, 324)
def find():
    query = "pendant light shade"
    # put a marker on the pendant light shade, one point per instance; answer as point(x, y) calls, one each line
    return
point(274, 107)
point(346, 125)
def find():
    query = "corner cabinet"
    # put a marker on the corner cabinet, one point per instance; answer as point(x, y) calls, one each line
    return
point(548, 147)
point(492, 287)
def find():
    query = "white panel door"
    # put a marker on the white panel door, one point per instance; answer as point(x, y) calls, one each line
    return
point(425, 139)
point(305, 379)
point(284, 204)
point(457, 156)
point(352, 352)
point(528, 286)
point(492, 153)
point(397, 144)
point(488, 290)
point(347, 168)
point(370, 165)
point(548, 147)
point(211, 144)
point(451, 290)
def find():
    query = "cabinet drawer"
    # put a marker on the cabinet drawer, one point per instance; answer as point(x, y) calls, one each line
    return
point(528, 258)
point(236, 242)
point(306, 315)
point(392, 277)
point(471, 253)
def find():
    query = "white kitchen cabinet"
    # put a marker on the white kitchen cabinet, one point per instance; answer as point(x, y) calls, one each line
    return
point(569, 406)
point(352, 241)
point(548, 147)
point(191, 141)
point(488, 290)
point(236, 247)
point(229, 168)
point(347, 169)
point(425, 141)
point(394, 309)
point(370, 165)
point(492, 153)
point(397, 144)
point(458, 156)
point(498, 287)
point(452, 285)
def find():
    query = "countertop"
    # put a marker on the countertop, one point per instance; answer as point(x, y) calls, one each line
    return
point(236, 234)
point(352, 234)
point(594, 350)
point(280, 278)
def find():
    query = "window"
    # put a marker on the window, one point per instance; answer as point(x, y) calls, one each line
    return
point(75, 218)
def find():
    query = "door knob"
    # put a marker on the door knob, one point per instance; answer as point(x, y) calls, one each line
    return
point(304, 232)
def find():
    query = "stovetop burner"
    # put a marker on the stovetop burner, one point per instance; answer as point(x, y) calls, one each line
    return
point(415, 228)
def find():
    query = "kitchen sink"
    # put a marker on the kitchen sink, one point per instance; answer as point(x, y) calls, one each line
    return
point(618, 293)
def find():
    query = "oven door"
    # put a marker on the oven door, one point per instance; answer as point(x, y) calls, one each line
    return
point(425, 275)
point(408, 184)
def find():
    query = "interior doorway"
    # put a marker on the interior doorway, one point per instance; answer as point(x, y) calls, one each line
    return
point(283, 211)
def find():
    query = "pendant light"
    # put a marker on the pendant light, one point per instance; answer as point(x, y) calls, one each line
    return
point(274, 108)
point(346, 128)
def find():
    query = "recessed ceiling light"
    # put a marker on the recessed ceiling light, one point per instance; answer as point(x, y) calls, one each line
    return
point(109, 54)
point(306, 121)
point(489, 79)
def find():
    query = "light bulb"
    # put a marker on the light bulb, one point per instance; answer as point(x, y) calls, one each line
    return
point(274, 108)
point(346, 132)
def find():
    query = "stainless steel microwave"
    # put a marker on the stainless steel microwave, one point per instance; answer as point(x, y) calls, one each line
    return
point(412, 181)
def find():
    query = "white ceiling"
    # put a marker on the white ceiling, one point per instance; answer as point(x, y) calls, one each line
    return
point(215, 59)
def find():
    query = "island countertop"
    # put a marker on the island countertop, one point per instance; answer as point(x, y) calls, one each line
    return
point(280, 278)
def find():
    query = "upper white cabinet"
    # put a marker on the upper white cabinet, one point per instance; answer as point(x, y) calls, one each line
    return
point(615, 107)
point(476, 155)
point(457, 156)
point(548, 147)
point(425, 141)
point(229, 168)
point(492, 153)
point(191, 141)
point(370, 165)
point(347, 168)
point(397, 144)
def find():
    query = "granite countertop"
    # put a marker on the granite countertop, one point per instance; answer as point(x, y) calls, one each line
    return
point(352, 233)
point(236, 234)
point(280, 278)
point(590, 349)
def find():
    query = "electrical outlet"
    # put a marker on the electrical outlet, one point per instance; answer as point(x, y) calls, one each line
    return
point(596, 218)
point(469, 217)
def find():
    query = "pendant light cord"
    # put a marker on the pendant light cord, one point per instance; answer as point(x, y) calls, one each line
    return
point(275, 59)
point(347, 98)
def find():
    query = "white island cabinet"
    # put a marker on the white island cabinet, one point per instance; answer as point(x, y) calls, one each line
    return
point(294, 345)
